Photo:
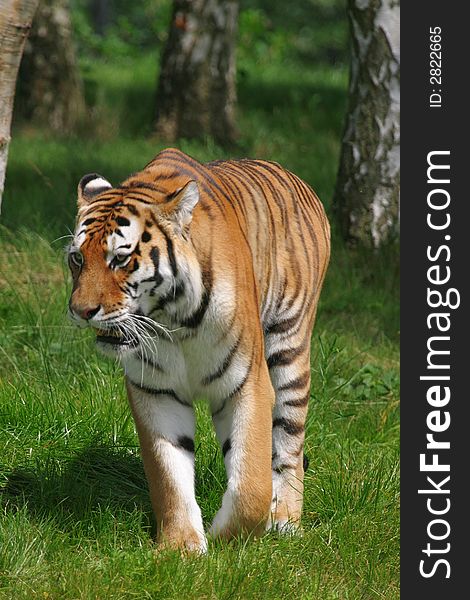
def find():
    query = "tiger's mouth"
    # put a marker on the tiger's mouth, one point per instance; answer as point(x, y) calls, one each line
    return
point(114, 337)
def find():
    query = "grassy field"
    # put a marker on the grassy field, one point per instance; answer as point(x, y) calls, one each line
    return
point(75, 516)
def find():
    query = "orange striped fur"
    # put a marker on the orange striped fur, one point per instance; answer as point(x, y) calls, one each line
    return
point(204, 280)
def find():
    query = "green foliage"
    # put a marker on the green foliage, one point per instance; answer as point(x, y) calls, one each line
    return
point(315, 30)
point(308, 32)
point(132, 28)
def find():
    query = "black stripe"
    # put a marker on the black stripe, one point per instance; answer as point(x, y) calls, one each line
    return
point(195, 319)
point(159, 392)
point(171, 195)
point(266, 182)
point(283, 326)
point(282, 468)
point(186, 443)
point(171, 253)
point(227, 446)
point(132, 210)
point(165, 176)
point(289, 426)
point(143, 184)
point(282, 295)
point(234, 190)
point(299, 402)
point(139, 199)
point(303, 189)
point(102, 211)
point(109, 199)
point(234, 179)
point(224, 366)
point(202, 175)
point(296, 384)
point(88, 221)
point(103, 197)
point(155, 256)
point(171, 296)
point(233, 392)
point(169, 246)
point(283, 357)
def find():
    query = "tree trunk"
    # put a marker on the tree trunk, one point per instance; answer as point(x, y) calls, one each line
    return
point(50, 90)
point(15, 22)
point(196, 92)
point(367, 191)
point(100, 11)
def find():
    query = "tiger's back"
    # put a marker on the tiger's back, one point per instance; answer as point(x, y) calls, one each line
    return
point(262, 210)
point(230, 257)
point(287, 232)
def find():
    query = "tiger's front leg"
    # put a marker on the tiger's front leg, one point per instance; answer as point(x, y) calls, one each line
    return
point(243, 424)
point(166, 425)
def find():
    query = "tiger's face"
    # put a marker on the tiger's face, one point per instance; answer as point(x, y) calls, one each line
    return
point(133, 266)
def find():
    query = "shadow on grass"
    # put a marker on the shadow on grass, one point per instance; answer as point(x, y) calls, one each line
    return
point(96, 479)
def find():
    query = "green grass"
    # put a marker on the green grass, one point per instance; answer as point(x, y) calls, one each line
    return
point(75, 516)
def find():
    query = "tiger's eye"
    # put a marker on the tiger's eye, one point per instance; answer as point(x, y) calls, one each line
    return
point(76, 258)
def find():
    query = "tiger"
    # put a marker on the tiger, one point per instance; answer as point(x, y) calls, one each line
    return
point(203, 281)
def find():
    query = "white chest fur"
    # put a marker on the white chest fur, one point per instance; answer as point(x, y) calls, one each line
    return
point(202, 365)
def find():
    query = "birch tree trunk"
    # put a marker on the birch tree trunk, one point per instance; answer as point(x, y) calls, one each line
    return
point(366, 198)
point(196, 93)
point(15, 22)
point(50, 89)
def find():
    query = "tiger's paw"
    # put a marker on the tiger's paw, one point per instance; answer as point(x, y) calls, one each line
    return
point(240, 516)
point(189, 543)
point(222, 525)
point(284, 527)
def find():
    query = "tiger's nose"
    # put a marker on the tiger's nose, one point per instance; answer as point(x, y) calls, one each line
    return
point(86, 312)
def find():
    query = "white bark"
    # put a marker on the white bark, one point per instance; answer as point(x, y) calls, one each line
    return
point(50, 89)
point(15, 22)
point(196, 93)
point(367, 190)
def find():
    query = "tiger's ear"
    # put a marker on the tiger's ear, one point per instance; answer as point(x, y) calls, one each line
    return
point(179, 207)
point(90, 186)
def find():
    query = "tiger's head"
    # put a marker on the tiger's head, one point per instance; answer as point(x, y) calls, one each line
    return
point(133, 264)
